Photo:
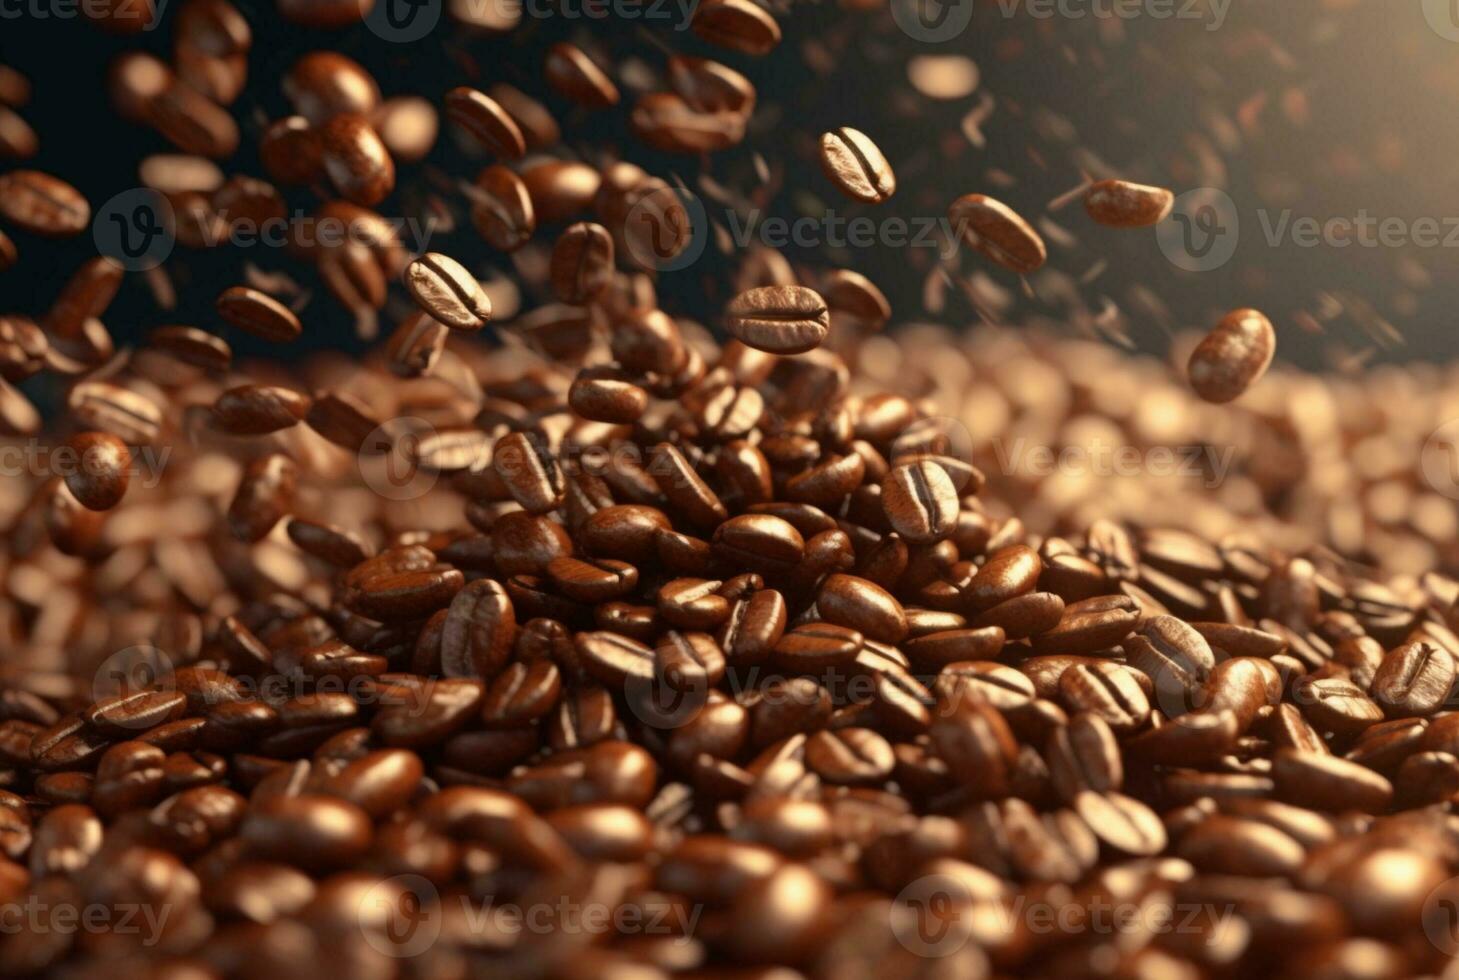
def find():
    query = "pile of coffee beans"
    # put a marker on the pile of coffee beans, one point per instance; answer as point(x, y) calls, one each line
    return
point(559, 636)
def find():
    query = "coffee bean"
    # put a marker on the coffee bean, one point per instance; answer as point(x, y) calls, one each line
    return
point(1007, 573)
point(605, 396)
point(447, 292)
point(753, 628)
point(856, 166)
point(862, 606)
point(1121, 204)
point(1084, 756)
point(103, 469)
point(1325, 782)
point(1108, 691)
point(1091, 625)
point(315, 832)
point(259, 314)
point(486, 121)
point(779, 319)
point(502, 209)
point(577, 77)
point(739, 25)
point(582, 262)
point(977, 745)
point(1233, 356)
point(252, 410)
point(999, 233)
point(529, 472)
point(355, 159)
point(41, 204)
point(479, 631)
point(265, 496)
point(1413, 679)
point(920, 502)
point(1122, 823)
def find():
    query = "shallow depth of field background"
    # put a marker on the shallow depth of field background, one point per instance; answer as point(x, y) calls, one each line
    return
point(1329, 109)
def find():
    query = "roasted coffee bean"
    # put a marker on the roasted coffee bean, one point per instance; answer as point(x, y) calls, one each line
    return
point(606, 396)
point(1008, 573)
point(479, 631)
point(856, 166)
point(1235, 846)
point(502, 209)
point(102, 470)
point(265, 496)
point(1023, 616)
point(850, 756)
point(446, 291)
point(1122, 823)
point(253, 410)
point(998, 232)
point(740, 25)
point(1121, 204)
point(1233, 356)
point(259, 314)
point(356, 160)
point(685, 489)
point(1107, 691)
point(1091, 625)
point(311, 831)
point(779, 319)
point(753, 628)
point(582, 262)
point(487, 122)
point(1325, 782)
point(862, 606)
point(1084, 755)
point(530, 474)
point(577, 77)
point(42, 205)
point(977, 745)
point(920, 502)
point(1413, 680)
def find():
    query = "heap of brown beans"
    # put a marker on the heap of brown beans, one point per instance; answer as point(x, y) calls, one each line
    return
point(702, 658)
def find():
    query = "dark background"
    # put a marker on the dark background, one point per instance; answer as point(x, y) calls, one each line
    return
point(1326, 108)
